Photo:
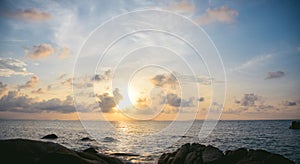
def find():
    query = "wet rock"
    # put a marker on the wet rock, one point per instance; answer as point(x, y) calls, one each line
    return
point(50, 136)
point(86, 139)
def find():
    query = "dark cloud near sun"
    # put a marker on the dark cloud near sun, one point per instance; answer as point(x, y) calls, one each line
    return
point(164, 80)
point(107, 103)
point(274, 75)
point(3, 89)
point(105, 76)
point(175, 101)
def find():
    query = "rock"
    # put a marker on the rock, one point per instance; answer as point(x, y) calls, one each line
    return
point(295, 125)
point(30, 151)
point(192, 157)
point(236, 155)
point(50, 136)
point(125, 154)
point(109, 139)
point(201, 154)
point(212, 155)
point(86, 139)
point(181, 154)
point(262, 156)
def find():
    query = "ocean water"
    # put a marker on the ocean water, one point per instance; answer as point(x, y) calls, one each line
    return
point(146, 139)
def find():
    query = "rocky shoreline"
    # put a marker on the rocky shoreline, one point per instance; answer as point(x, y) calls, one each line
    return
point(31, 151)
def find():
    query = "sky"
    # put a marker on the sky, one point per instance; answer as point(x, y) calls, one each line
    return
point(150, 60)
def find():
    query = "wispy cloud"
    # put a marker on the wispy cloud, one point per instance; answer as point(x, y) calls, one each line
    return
point(3, 89)
point(64, 53)
point(274, 75)
point(217, 15)
point(11, 66)
point(39, 52)
point(254, 62)
point(29, 14)
point(183, 6)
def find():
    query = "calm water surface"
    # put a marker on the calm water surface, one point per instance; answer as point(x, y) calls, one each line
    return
point(142, 137)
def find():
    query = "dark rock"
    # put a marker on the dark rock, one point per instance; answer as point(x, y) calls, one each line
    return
point(295, 125)
point(86, 139)
point(212, 155)
point(90, 150)
point(125, 154)
point(163, 159)
point(192, 157)
point(181, 154)
point(264, 157)
point(236, 155)
point(200, 154)
point(29, 151)
point(50, 136)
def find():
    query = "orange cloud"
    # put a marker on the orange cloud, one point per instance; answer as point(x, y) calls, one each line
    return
point(29, 14)
point(222, 15)
point(40, 51)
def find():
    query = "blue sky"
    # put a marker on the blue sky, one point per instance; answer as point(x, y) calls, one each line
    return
point(258, 42)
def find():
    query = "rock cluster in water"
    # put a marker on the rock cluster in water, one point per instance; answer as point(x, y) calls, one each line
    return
point(295, 125)
point(200, 154)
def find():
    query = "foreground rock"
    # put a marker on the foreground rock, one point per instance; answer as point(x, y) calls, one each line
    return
point(50, 136)
point(29, 151)
point(200, 154)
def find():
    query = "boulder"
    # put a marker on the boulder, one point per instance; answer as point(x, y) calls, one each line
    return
point(30, 151)
point(50, 136)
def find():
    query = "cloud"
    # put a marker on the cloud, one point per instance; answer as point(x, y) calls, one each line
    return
point(107, 103)
point(14, 101)
point(201, 99)
point(11, 66)
point(105, 76)
point(34, 80)
point(289, 103)
point(3, 89)
point(183, 6)
point(274, 75)
point(39, 52)
point(29, 14)
point(175, 101)
point(67, 82)
point(64, 53)
point(217, 15)
point(164, 80)
point(254, 62)
point(38, 91)
point(248, 100)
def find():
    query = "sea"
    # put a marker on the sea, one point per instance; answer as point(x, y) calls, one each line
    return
point(145, 141)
